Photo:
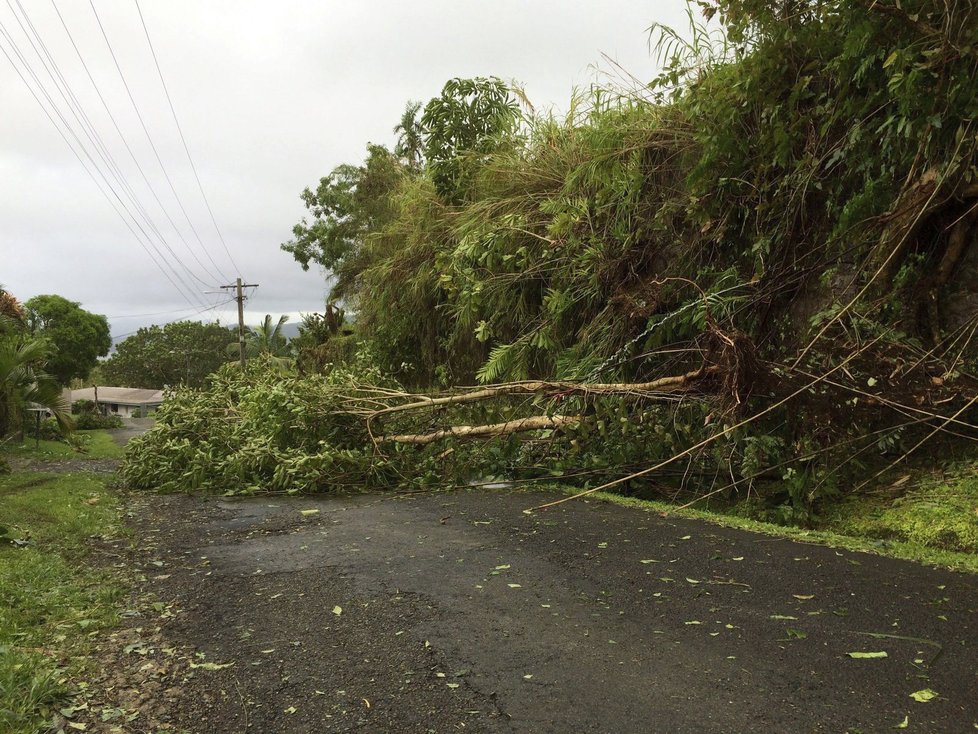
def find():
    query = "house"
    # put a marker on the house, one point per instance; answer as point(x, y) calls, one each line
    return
point(124, 401)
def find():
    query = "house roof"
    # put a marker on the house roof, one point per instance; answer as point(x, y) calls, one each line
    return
point(119, 395)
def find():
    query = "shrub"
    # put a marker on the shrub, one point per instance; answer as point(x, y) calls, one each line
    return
point(93, 421)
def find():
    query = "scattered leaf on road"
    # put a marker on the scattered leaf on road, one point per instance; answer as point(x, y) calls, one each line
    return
point(924, 695)
point(211, 666)
point(866, 655)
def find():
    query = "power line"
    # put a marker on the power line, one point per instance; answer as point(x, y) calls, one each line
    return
point(149, 137)
point(155, 313)
point(184, 139)
point(170, 321)
point(48, 114)
point(98, 144)
point(124, 139)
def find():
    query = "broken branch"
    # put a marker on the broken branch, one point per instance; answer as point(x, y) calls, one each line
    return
point(534, 423)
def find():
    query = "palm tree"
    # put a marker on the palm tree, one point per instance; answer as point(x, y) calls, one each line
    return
point(267, 338)
point(10, 307)
point(23, 382)
point(410, 136)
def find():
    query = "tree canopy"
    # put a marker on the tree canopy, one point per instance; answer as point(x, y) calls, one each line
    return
point(23, 376)
point(461, 124)
point(348, 204)
point(181, 352)
point(79, 337)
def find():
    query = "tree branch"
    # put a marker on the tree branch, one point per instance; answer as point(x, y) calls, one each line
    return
point(664, 384)
point(532, 423)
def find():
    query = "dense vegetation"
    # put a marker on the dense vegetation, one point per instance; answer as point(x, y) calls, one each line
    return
point(77, 337)
point(24, 380)
point(777, 228)
point(181, 352)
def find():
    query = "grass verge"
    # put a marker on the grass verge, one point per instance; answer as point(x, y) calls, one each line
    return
point(895, 547)
point(51, 601)
point(97, 444)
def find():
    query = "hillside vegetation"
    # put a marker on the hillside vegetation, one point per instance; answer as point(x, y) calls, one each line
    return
point(751, 278)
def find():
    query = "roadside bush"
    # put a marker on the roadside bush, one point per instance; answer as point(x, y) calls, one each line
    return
point(80, 407)
point(49, 430)
point(93, 421)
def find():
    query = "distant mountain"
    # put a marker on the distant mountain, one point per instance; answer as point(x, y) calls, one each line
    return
point(291, 330)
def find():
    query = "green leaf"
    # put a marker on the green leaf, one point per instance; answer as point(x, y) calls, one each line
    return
point(903, 724)
point(866, 655)
point(890, 59)
point(924, 695)
point(796, 634)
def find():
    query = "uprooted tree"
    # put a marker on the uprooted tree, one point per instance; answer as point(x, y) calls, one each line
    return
point(783, 221)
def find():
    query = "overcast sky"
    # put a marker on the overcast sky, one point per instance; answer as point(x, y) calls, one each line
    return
point(271, 95)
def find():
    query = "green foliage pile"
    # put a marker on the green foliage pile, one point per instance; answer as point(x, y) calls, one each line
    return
point(262, 429)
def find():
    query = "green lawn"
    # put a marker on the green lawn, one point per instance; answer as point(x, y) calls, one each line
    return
point(97, 444)
point(51, 599)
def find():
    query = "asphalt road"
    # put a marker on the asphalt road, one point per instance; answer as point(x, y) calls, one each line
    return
point(459, 612)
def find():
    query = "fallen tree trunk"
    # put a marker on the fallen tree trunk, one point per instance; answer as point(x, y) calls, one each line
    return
point(669, 384)
point(533, 423)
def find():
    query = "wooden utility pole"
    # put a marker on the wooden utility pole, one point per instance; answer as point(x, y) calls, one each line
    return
point(239, 297)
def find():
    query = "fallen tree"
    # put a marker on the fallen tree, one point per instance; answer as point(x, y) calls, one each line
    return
point(492, 430)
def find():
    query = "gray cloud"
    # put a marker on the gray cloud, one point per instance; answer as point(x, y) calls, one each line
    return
point(271, 96)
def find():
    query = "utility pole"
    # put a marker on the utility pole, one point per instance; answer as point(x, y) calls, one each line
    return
point(239, 297)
